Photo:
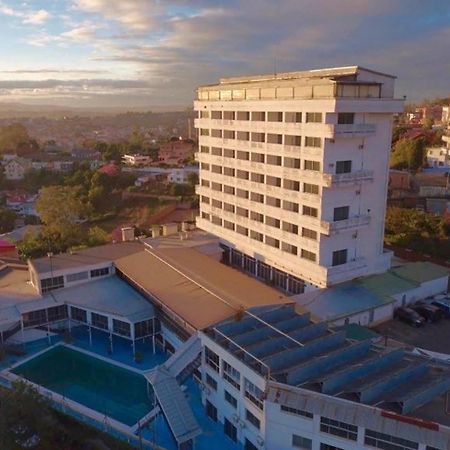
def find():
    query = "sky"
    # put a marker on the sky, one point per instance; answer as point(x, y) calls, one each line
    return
point(154, 53)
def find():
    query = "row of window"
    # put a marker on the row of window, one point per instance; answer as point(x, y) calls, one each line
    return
point(263, 116)
point(291, 185)
point(233, 377)
point(259, 137)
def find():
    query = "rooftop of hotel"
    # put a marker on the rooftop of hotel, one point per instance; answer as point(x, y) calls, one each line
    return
point(194, 285)
point(288, 348)
point(89, 256)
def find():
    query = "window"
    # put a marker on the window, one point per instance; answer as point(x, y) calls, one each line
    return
point(250, 445)
point(264, 273)
point(272, 242)
point(229, 134)
point(339, 257)
point(346, 118)
point(293, 140)
point(212, 359)
point(293, 117)
point(259, 116)
point(216, 133)
point(229, 171)
point(204, 149)
point(205, 183)
point(242, 174)
point(204, 132)
point(204, 166)
point(210, 381)
point(343, 166)
point(216, 151)
point(289, 248)
point(258, 137)
point(216, 187)
point(48, 284)
point(57, 313)
point(291, 185)
point(329, 447)
point(295, 285)
point(229, 115)
point(274, 138)
point(228, 207)
point(388, 442)
point(211, 410)
point(146, 328)
point(309, 188)
point(256, 236)
point(228, 189)
point(313, 117)
point(255, 197)
point(252, 392)
point(290, 206)
point(100, 272)
point(251, 418)
point(72, 277)
point(242, 230)
point(122, 328)
point(292, 163)
point(243, 115)
point(272, 222)
point(231, 375)
point(309, 211)
point(257, 177)
point(230, 399)
point(216, 169)
point(228, 225)
point(273, 181)
point(273, 160)
point(216, 203)
point(341, 429)
point(228, 153)
point(230, 430)
point(301, 442)
point(273, 201)
point(275, 116)
point(306, 254)
point(205, 199)
point(257, 157)
point(279, 278)
point(80, 315)
point(34, 318)
point(313, 141)
point(204, 114)
point(311, 165)
point(309, 234)
point(216, 115)
point(296, 412)
point(290, 227)
point(242, 193)
point(243, 135)
point(99, 321)
point(341, 213)
point(244, 156)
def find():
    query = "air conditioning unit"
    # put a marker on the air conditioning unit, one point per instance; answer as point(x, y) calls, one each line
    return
point(358, 192)
point(332, 141)
point(355, 235)
point(361, 146)
point(331, 165)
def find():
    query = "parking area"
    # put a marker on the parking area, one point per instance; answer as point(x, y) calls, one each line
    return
point(432, 336)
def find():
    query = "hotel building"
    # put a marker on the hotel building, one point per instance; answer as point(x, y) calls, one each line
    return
point(294, 173)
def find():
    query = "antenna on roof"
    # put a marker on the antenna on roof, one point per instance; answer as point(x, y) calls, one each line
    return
point(275, 66)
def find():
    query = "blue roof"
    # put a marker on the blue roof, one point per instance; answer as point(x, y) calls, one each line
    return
point(288, 348)
point(342, 300)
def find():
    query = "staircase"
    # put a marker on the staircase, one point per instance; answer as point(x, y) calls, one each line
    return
point(185, 360)
point(174, 406)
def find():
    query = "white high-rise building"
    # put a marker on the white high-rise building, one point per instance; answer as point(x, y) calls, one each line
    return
point(294, 173)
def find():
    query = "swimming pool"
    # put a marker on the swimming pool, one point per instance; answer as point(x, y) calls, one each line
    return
point(106, 388)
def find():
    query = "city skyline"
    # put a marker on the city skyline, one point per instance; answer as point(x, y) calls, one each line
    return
point(91, 53)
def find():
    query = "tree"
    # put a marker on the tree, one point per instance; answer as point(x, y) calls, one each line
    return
point(7, 220)
point(408, 154)
point(97, 236)
point(12, 136)
point(428, 123)
point(61, 209)
point(192, 178)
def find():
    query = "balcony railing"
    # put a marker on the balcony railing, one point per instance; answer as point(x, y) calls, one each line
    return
point(348, 224)
point(352, 177)
point(354, 129)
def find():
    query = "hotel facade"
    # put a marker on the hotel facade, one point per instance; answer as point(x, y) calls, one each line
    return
point(294, 173)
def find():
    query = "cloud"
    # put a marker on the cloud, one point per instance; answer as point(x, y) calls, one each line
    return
point(37, 17)
point(53, 71)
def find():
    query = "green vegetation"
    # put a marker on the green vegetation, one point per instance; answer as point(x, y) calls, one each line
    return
point(28, 421)
point(7, 220)
point(419, 231)
point(15, 138)
point(408, 154)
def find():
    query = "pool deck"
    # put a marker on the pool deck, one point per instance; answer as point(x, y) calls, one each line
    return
point(156, 432)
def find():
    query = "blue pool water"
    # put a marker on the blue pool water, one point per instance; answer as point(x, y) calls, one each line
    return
point(111, 390)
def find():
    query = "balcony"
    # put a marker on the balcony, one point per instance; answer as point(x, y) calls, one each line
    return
point(354, 130)
point(352, 177)
point(345, 225)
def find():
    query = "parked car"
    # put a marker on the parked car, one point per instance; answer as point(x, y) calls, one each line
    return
point(429, 312)
point(409, 316)
point(443, 305)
